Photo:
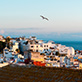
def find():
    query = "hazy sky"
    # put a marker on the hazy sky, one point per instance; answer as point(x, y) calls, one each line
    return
point(22, 17)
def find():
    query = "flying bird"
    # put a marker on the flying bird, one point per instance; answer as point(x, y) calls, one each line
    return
point(44, 17)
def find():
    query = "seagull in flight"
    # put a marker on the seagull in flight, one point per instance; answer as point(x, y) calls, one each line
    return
point(44, 17)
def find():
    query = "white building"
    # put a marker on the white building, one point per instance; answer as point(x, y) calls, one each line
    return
point(66, 50)
point(7, 54)
point(36, 45)
point(15, 46)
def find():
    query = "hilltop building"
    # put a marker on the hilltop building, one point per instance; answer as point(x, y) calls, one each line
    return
point(36, 45)
point(2, 38)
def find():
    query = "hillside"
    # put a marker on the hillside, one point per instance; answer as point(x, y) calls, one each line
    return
point(39, 74)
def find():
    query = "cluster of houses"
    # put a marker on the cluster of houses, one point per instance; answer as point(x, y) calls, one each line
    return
point(41, 53)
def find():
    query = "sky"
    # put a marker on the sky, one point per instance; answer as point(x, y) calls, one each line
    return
point(22, 18)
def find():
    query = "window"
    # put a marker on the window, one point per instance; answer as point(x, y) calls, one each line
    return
point(44, 45)
point(45, 52)
point(37, 46)
point(47, 45)
point(53, 54)
point(51, 59)
point(36, 50)
point(58, 61)
point(36, 41)
point(6, 53)
point(32, 46)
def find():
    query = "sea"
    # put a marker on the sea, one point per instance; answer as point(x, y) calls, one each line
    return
point(77, 45)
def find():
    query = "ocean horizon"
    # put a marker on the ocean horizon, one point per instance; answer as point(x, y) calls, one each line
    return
point(77, 45)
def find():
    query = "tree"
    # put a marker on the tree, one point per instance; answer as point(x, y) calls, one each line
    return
point(2, 46)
